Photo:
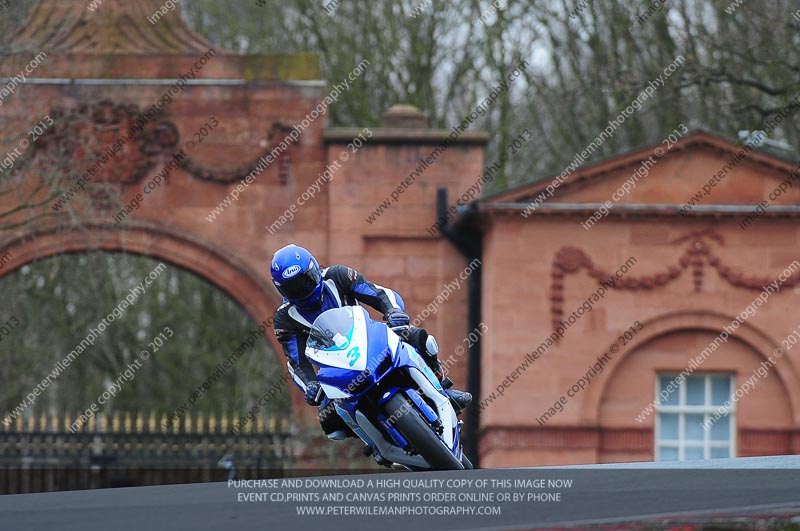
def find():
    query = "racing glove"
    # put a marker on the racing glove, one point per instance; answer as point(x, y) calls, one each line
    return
point(396, 317)
point(314, 394)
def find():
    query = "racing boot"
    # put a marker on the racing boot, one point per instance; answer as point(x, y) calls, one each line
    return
point(459, 399)
point(368, 451)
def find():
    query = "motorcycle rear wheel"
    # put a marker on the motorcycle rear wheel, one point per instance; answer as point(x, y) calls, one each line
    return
point(420, 435)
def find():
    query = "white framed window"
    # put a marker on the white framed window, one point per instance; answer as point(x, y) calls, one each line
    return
point(682, 432)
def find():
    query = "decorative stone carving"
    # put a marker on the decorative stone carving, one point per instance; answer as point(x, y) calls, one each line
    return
point(125, 145)
point(696, 256)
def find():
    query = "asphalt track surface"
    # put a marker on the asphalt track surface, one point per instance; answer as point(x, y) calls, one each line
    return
point(599, 494)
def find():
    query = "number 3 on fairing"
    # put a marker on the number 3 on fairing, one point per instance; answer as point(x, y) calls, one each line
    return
point(353, 355)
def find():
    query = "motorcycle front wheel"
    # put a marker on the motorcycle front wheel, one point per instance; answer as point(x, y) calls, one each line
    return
point(420, 435)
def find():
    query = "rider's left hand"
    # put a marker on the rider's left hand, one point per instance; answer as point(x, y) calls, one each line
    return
point(396, 317)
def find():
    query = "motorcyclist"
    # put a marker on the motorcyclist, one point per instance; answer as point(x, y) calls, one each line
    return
point(308, 291)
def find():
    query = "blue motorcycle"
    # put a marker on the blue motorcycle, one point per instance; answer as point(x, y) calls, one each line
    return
point(384, 391)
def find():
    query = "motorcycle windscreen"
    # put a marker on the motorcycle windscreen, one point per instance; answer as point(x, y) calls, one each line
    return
point(338, 339)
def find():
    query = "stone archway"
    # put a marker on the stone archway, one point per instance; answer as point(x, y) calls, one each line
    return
point(150, 239)
point(188, 252)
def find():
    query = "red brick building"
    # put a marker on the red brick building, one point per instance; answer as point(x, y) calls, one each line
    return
point(106, 70)
point(686, 277)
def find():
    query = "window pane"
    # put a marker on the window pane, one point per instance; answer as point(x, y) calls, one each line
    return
point(681, 432)
point(717, 453)
point(674, 397)
point(720, 389)
point(694, 427)
point(693, 452)
point(721, 429)
point(667, 453)
point(668, 426)
point(695, 391)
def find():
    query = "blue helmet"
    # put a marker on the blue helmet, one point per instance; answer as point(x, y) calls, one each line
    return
point(297, 276)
